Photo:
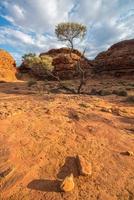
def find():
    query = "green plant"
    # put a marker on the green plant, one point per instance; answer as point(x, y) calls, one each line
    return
point(83, 105)
point(31, 83)
point(100, 92)
point(93, 91)
point(130, 99)
point(28, 55)
point(68, 32)
point(40, 65)
point(120, 92)
point(104, 92)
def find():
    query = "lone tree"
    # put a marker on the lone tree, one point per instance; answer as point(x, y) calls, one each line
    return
point(68, 32)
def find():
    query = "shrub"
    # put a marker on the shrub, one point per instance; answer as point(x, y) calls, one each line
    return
point(31, 83)
point(104, 92)
point(120, 92)
point(83, 105)
point(100, 92)
point(93, 91)
point(130, 99)
point(40, 66)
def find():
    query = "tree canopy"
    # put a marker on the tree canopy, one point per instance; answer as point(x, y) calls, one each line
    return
point(67, 32)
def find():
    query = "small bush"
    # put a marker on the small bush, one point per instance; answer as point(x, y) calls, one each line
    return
point(130, 99)
point(31, 83)
point(83, 105)
point(93, 92)
point(131, 84)
point(104, 92)
point(120, 92)
point(100, 92)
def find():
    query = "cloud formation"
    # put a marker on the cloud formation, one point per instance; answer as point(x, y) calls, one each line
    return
point(30, 24)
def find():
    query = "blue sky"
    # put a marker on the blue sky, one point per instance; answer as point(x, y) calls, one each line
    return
point(28, 25)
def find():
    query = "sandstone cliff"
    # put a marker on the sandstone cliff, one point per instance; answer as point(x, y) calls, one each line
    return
point(117, 60)
point(7, 67)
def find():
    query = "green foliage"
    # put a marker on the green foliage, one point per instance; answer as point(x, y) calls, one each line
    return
point(130, 99)
point(83, 105)
point(29, 55)
point(31, 83)
point(70, 31)
point(100, 92)
point(45, 62)
point(104, 92)
point(120, 92)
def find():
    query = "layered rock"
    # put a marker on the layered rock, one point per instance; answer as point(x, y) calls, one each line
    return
point(7, 67)
point(64, 64)
point(117, 60)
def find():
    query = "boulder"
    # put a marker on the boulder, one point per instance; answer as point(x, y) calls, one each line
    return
point(65, 64)
point(7, 67)
point(117, 60)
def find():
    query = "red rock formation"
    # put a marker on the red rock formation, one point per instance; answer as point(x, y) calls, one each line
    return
point(64, 64)
point(7, 67)
point(118, 59)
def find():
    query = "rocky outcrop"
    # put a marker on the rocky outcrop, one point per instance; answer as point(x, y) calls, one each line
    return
point(64, 64)
point(117, 60)
point(7, 67)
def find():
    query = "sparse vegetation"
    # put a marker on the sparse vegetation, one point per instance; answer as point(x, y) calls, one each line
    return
point(31, 83)
point(104, 92)
point(93, 91)
point(83, 105)
point(130, 99)
point(44, 62)
point(100, 92)
point(27, 56)
point(120, 92)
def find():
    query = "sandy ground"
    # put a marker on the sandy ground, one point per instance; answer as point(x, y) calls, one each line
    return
point(40, 135)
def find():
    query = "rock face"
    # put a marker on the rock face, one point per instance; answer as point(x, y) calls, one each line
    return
point(7, 67)
point(117, 60)
point(64, 64)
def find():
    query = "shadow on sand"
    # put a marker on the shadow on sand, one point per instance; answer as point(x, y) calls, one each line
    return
point(54, 185)
point(45, 185)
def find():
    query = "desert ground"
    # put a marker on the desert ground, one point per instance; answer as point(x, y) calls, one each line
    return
point(43, 129)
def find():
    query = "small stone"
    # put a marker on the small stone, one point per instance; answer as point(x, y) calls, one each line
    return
point(84, 167)
point(106, 110)
point(68, 184)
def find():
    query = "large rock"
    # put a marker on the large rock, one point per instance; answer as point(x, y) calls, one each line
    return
point(7, 67)
point(117, 60)
point(65, 64)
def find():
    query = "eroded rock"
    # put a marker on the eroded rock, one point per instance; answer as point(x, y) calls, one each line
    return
point(84, 167)
point(68, 184)
point(7, 67)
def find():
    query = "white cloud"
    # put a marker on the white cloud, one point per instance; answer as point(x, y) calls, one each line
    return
point(34, 22)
